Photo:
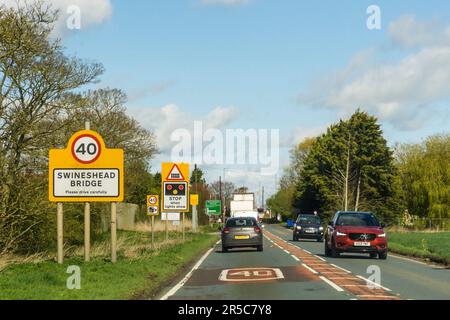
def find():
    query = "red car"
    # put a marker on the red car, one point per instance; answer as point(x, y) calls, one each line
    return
point(356, 232)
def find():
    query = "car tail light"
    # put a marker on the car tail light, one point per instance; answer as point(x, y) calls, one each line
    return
point(226, 230)
point(257, 229)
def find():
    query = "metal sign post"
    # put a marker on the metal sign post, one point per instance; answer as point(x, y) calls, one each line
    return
point(153, 233)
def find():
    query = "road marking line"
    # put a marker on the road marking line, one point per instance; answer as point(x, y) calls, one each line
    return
point(320, 258)
point(376, 296)
point(188, 276)
point(306, 251)
point(342, 278)
point(287, 251)
point(373, 283)
point(341, 268)
point(310, 269)
point(332, 284)
point(295, 258)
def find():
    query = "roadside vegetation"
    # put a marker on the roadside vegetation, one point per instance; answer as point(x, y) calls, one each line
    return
point(139, 273)
point(351, 167)
point(432, 246)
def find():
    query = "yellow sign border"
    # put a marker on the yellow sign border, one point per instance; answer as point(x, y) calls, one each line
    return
point(108, 159)
point(166, 167)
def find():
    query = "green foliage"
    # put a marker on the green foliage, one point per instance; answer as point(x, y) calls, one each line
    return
point(424, 172)
point(352, 156)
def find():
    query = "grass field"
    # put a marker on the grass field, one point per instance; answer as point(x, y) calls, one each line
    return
point(432, 246)
point(139, 272)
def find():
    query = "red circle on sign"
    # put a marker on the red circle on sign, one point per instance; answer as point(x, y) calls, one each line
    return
point(98, 144)
point(169, 187)
point(181, 187)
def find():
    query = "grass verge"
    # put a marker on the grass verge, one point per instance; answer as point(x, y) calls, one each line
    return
point(139, 272)
point(433, 247)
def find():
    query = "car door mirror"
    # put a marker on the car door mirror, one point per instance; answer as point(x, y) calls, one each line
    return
point(383, 225)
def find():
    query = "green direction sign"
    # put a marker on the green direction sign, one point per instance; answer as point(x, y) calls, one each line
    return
point(214, 207)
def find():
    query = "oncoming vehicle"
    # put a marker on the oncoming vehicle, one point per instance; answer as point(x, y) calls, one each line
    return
point(242, 232)
point(356, 232)
point(308, 226)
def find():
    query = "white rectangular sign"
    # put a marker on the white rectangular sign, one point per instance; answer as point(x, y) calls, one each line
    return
point(171, 216)
point(77, 183)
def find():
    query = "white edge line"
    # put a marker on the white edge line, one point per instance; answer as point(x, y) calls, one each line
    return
point(373, 283)
point(332, 284)
point(295, 258)
point(310, 269)
point(186, 278)
point(340, 268)
point(287, 251)
point(307, 251)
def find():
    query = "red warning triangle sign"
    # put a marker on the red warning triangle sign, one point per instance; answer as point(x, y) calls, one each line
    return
point(175, 174)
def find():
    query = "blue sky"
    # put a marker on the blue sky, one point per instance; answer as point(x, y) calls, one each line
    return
point(297, 66)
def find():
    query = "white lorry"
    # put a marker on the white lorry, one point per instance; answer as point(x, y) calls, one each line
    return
point(243, 205)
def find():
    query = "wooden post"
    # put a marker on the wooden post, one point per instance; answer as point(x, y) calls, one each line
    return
point(167, 226)
point(153, 233)
point(87, 219)
point(113, 232)
point(182, 226)
point(60, 236)
point(87, 231)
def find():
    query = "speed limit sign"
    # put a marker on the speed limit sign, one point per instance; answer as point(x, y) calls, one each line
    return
point(86, 149)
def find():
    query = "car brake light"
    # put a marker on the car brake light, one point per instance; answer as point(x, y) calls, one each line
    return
point(257, 229)
point(226, 230)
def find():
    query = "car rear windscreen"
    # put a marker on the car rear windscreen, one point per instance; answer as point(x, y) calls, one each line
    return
point(360, 220)
point(245, 222)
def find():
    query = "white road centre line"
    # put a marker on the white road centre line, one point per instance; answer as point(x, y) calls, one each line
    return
point(295, 258)
point(373, 283)
point(309, 268)
point(188, 276)
point(332, 284)
point(340, 268)
point(287, 251)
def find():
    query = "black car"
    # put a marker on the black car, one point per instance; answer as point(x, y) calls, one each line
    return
point(308, 226)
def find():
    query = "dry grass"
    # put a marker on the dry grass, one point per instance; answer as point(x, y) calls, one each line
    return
point(160, 226)
point(9, 259)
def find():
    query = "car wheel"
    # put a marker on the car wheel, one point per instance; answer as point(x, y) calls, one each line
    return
point(294, 238)
point(260, 248)
point(383, 255)
point(224, 249)
point(327, 250)
point(320, 240)
point(373, 255)
point(334, 252)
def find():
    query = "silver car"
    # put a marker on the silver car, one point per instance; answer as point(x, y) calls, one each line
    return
point(242, 232)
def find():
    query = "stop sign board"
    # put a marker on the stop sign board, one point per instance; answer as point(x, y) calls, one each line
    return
point(86, 171)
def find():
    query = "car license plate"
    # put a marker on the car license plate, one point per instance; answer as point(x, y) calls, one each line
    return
point(309, 231)
point(362, 244)
point(241, 237)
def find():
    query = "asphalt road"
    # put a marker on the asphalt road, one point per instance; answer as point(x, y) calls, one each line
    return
point(299, 271)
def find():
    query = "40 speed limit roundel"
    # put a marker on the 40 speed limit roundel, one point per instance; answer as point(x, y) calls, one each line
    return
point(86, 149)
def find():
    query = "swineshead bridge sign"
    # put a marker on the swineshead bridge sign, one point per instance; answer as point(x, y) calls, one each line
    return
point(86, 171)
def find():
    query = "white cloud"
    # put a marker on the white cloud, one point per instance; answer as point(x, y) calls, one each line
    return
point(225, 2)
point(93, 12)
point(405, 93)
point(409, 32)
point(164, 121)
